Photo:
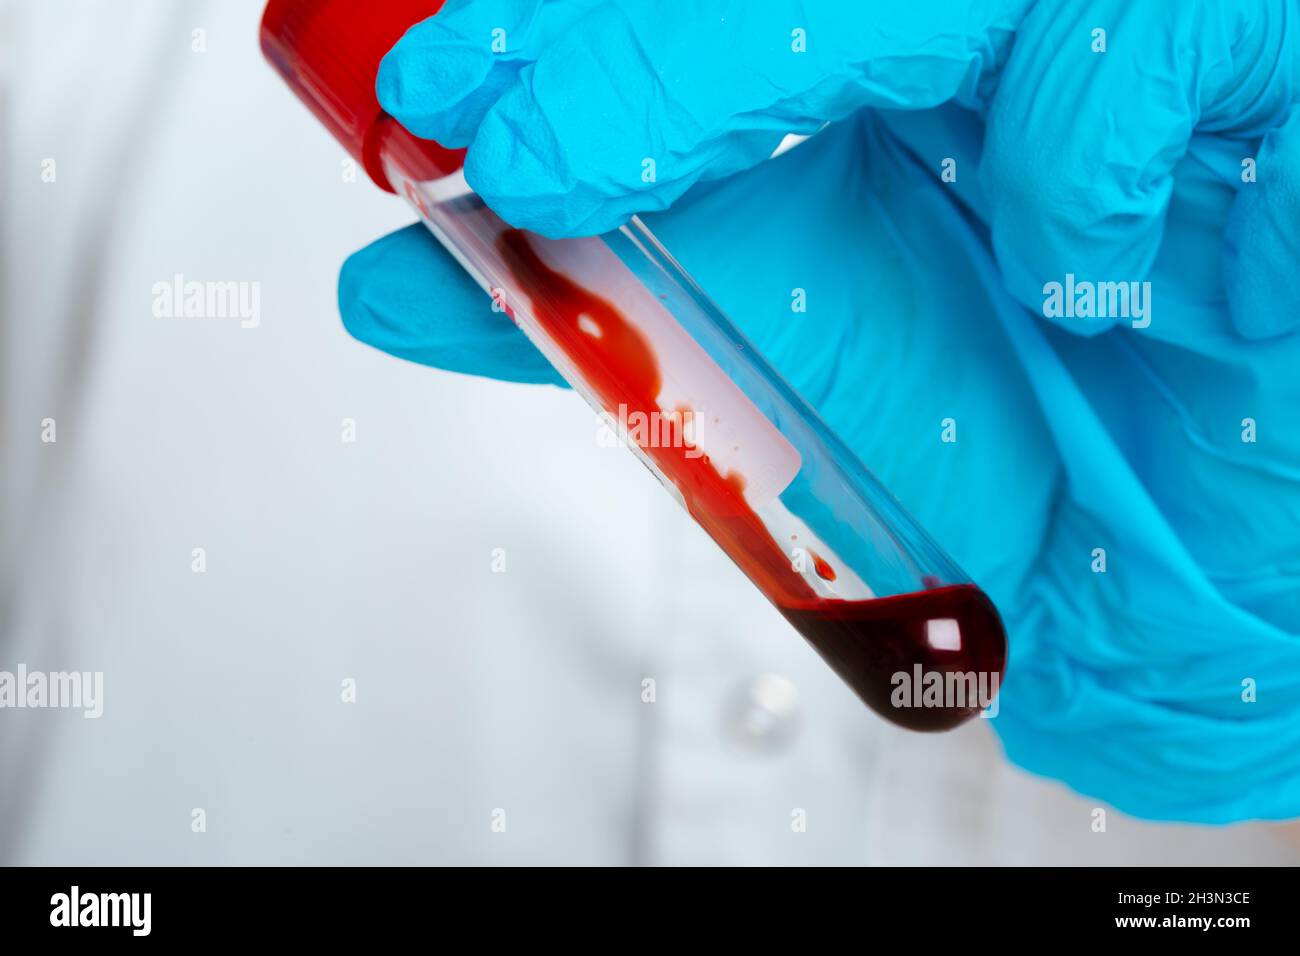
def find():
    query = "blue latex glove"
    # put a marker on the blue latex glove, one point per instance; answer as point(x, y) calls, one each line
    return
point(926, 302)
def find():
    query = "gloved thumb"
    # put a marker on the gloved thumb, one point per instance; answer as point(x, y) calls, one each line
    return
point(405, 295)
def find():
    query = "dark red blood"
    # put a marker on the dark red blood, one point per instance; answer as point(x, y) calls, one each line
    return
point(869, 643)
point(866, 642)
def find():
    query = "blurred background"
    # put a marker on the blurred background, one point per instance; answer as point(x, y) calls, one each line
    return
point(351, 610)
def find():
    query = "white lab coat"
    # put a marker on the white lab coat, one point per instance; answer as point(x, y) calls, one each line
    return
point(498, 717)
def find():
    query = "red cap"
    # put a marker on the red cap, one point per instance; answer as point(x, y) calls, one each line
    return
point(328, 51)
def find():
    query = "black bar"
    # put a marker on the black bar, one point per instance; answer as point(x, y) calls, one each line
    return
point(977, 907)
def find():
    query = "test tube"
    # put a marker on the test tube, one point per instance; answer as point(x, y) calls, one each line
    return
point(628, 329)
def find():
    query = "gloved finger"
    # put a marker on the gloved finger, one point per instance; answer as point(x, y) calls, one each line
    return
point(1094, 108)
point(405, 295)
point(448, 70)
point(626, 108)
point(1262, 242)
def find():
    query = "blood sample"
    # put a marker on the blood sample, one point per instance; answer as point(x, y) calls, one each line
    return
point(747, 458)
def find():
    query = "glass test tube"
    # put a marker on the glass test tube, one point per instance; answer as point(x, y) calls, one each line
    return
point(748, 459)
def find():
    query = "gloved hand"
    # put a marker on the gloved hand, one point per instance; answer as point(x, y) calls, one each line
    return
point(925, 299)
